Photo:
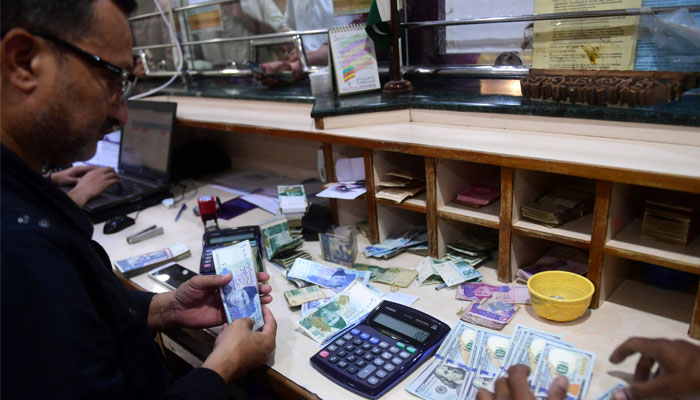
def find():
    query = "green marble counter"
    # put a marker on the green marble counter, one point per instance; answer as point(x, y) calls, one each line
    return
point(436, 93)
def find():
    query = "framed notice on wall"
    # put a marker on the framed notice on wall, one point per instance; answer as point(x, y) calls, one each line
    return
point(354, 62)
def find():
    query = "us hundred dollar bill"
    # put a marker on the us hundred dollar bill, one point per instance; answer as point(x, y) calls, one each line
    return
point(557, 360)
point(489, 357)
point(240, 296)
point(608, 394)
point(342, 310)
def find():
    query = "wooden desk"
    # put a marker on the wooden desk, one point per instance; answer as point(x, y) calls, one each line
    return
point(633, 309)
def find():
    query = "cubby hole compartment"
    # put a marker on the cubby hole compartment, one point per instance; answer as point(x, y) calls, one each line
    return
point(391, 220)
point(450, 231)
point(384, 161)
point(624, 234)
point(454, 176)
point(527, 186)
point(526, 250)
point(648, 288)
point(355, 210)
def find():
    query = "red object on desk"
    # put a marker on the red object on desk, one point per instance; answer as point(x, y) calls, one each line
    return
point(207, 209)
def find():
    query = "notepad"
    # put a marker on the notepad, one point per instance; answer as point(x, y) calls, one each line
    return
point(354, 60)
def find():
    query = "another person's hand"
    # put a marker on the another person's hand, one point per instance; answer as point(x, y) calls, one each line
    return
point(272, 67)
point(71, 176)
point(515, 387)
point(92, 184)
point(238, 349)
point(677, 373)
point(196, 303)
point(139, 69)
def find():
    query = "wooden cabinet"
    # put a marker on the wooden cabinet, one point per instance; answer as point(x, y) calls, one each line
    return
point(527, 154)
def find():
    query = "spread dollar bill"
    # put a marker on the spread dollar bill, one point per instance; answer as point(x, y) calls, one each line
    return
point(558, 360)
point(240, 296)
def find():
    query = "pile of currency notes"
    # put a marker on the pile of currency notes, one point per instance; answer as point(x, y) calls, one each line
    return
point(670, 221)
point(514, 294)
point(560, 258)
point(293, 203)
point(340, 245)
point(399, 185)
point(297, 297)
point(470, 359)
point(393, 276)
point(448, 271)
point(339, 312)
point(240, 296)
point(132, 266)
point(489, 313)
point(281, 248)
point(475, 249)
point(479, 195)
point(560, 205)
point(398, 243)
point(335, 278)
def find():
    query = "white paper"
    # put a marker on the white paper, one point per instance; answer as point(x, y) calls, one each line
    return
point(401, 298)
point(333, 192)
point(350, 169)
point(269, 204)
point(484, 38)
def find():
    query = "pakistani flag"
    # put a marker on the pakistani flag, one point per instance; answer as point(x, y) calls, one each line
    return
point(379, 23)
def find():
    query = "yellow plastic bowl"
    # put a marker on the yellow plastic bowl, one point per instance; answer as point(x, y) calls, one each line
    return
point(560, 296)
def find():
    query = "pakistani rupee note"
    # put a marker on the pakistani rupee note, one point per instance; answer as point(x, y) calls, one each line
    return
point(336, 278)
point(297, 297)
point(240, 296)
point(276, 238)
point(342, 310)
point(472, 291)
point(145, 262)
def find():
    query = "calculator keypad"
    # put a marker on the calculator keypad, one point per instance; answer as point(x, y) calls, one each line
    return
point(367, 357)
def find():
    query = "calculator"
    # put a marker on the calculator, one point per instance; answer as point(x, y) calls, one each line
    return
point(225, 237)
point(381, 350)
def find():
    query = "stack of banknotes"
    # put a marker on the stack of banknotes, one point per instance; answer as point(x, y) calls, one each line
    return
point(393, 276)
point(449, 271)
point(240, 296)
point(480, 194)
point(560, 205)
point(334, 278)
point(670, 220)
point(133, 266)
point(398, 243)
point(398, 185)
point(281, 248)
point(340, 311)
point(560, 258)
point(339, 246)
point(293, 203)
point(470, 359)
point(508, 293)
point(492, 306)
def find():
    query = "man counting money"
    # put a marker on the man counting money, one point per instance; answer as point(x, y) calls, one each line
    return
point(70, 329)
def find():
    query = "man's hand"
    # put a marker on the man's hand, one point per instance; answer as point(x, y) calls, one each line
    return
point(238, 349)
point(92, 184)
point(272, 67)
point(197, 303)
point(677, 374)
point(515, 387)
point(71, 176)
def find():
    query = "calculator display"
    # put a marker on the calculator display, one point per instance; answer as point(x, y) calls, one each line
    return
point(231, 238)
point(401, 327)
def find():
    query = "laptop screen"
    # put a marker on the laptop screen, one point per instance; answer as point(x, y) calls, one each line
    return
point(146, 139)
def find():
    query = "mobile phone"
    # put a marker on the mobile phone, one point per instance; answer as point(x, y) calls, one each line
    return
point(171, 275)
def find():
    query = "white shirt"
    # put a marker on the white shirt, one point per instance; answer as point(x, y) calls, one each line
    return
point(304, 15)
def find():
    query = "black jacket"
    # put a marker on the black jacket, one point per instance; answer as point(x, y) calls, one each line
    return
point(70, 329)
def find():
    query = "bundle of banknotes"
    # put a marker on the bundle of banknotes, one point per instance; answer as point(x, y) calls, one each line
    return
point(281, 248)
point(133, 266)
point(391, 276)
point(470, 359)
point(512, 294)
point(293, 203)
point(398, 185)
point(339, 312)
point(398, 243)
point(240, 296)
point(489, 313)
point(670, 220)
point(479, 194)
point(560, 205)
point(449, 271)
point(560, 258)
point(335, 278)
point(340, 245)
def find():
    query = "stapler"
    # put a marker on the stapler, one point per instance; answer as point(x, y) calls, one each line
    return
point(147, 233)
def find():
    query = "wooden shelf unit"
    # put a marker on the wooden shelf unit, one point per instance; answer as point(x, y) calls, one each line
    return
point(529, 154)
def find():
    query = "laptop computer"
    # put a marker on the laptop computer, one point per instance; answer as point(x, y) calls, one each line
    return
point(144, 161)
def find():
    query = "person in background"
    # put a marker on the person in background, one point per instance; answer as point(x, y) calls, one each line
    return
point(676, 374)
point(304, 15)
point(67, 321)
point(87, 181)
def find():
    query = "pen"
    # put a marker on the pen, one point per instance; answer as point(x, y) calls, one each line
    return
point(184, 206)
point(441, 286)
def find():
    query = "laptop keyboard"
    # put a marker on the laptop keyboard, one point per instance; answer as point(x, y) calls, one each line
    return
point(125, 188)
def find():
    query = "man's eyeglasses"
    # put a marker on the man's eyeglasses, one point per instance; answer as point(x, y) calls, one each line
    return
point(128, 80)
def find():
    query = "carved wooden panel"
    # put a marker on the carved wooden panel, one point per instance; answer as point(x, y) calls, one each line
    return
point(632, 88)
